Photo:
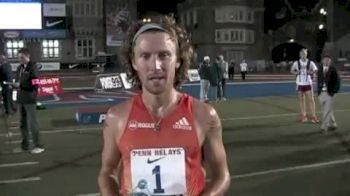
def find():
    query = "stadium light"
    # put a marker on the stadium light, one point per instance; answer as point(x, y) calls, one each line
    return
point(321, 26)
point(144, 20)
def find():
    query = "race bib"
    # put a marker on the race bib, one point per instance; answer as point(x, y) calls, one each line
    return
point(158, 171)
point(303, 78)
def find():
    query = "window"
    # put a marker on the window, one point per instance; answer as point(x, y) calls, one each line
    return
point(218, 38)
point(243, 36)
point(188, 18)
point(12, 48)
point(84, 48)
point(85, 8)
point(50, 49)
point(182, 18)
point(234, 14)
point(250, 36)
point(194, 14)
point(250, 16)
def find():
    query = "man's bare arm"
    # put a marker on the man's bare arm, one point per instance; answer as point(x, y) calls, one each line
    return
point(215, 157)
point(110, 156)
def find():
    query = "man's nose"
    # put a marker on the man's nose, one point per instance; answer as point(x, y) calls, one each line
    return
point(157, 63)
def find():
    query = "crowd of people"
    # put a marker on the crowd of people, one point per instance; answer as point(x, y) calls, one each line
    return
point(213, 77)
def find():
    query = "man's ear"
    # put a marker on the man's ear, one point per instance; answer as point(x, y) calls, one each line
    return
point(177, 65)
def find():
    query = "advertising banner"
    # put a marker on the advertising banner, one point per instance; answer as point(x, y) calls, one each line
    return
point(117, 21)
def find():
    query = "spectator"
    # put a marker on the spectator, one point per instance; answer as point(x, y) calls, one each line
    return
point(26, 73)
point(6, 80)
point(231, 69)
point(244, 69)
point(224, 76)
point(328, 84)
point(204, 74)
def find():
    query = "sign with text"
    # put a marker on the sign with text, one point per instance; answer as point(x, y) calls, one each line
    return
point(54, 9)
point(127, 84)
point(48, 85)
point(108, 82)
point(193, 75)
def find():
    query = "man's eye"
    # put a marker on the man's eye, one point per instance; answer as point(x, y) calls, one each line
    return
point(164, 55)
point(145, 56)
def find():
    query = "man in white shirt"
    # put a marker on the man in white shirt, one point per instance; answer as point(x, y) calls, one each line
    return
point(304, 69)
point(244, 69)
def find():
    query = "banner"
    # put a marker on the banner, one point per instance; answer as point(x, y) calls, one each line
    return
point(117, 21)
point(48, 85)
point(193, 75)
point(108, 82)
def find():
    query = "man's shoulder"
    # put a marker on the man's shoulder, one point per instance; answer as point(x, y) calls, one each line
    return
point(120, 109)
point(203, 109)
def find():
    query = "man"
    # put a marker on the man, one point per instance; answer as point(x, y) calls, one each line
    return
point(224, 76)
point(158, 136)
point(26, 73)
point(204, 74)
point(6, 80)
point(244, 69)
point(215, 92)
point(328, 84)
point(231, 69)
point(304, 69)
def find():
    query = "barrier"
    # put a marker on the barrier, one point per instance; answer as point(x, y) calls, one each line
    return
point(91, 115)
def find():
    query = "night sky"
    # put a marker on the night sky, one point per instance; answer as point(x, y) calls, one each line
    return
point(276, 11)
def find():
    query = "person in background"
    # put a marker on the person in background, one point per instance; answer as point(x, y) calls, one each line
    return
point(216, 76)
point(328, 84)
point(6, 80)
point(231, 69)
point(304, 69)
point(244, 69)
point(224, 76)
point(204, 74)
point(26, 74)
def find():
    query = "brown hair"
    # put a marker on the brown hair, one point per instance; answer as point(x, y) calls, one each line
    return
point(185, 51)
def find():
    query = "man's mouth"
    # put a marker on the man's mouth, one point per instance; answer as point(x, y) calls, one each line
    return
point(156, 78)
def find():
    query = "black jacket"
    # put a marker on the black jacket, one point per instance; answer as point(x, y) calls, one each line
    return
point(204, 71)
point(331, 79)
point(5, 74)
point(27, 92)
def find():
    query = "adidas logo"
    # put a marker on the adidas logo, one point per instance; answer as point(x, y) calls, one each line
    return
point(182, 124)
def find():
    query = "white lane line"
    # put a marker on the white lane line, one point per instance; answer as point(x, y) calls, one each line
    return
point(224, 119)
point(56, 131)
point(18, 164)
point(269, 116)
point(19, 180)
point(287, 169)
point(13, 142)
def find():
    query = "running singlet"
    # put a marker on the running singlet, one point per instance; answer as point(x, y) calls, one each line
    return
point(164, 162)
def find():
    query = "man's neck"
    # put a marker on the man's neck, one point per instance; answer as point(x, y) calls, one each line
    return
point(159, 105)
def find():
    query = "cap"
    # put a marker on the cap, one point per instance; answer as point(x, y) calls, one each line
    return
point(206, 58)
